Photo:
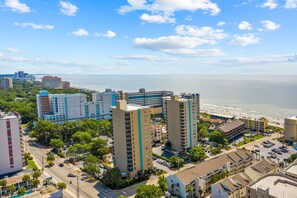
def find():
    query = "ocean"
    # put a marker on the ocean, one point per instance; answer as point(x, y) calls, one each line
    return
point(274, 97)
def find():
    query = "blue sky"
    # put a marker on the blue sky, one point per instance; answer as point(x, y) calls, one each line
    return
point(149, 36)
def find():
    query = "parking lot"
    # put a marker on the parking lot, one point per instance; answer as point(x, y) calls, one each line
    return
point(280, 156)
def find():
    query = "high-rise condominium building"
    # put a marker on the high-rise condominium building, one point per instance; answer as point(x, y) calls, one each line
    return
point(182, 122)
point(132, 138)
point(144, 98)
point(11, 147)
point(291, 128)
point(66, 107)
point(6, 83)
point(52, 82)
point(194, 96)
point(255, 124)
point(108, 98)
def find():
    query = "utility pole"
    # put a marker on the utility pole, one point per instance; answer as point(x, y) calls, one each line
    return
point(77, 187)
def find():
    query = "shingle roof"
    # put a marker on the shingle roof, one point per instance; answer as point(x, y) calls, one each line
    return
point(203, 168)
point(231, 125)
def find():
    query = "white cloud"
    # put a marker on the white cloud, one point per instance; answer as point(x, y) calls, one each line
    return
point(270, 4)
point(108, 34)
point(178, 45)
point(12, 50)
point(202, 32)
point(270, 25)
point(144, 57)
point(156, 6)
point(1, 55)
point(244, 40)
point(68, 8)
point(157, 18)
point(189, 18)
point(80, 32)
point(16, 6)
point(245, 25)
point(221, 24)
point(291, 4)
point(35, 26)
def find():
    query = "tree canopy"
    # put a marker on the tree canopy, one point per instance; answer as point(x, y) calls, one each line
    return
point(148, 191)
point(197, 154)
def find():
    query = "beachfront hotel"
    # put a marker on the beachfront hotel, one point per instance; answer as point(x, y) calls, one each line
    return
point(259, 125)
point(108, 98)
point(291, 128)
point(11, 146)
point(66, 107)
point(181, 122)
point(132, 138)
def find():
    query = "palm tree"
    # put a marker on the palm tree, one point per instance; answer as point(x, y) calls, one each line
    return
point(3, 183)
point(190, 190)
point(11, 188)
point(36, 182)
point(26, 178)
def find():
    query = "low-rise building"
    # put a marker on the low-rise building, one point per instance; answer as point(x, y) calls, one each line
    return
point(232, 129)
point(201, 176)
point(6, 83)
point(291, 128)
point(259, 125)
point(235, 186)
point(273, 185)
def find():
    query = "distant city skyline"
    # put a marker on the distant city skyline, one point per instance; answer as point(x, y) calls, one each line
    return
point(149, 37)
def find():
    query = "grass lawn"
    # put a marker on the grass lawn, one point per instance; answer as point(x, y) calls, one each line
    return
point(248, 140)
point(31, 164)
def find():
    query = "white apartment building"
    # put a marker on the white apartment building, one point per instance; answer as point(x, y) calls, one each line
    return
point(66, 107)
point(11, 147)
point(108, 98)
point(181, 122)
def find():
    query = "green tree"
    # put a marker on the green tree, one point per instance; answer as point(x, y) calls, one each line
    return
point(11, 188)
point(218, 137)
point(26, 178)
point(176, 161)
point(36, 182)
point(50, 157)
point(112, 178)
point(202, 133)
point(121, 196)
point(189, 190)
point(148, 191)
point(57, 143)
point(22, 190)
point(81, 137)
point(91, 165)
point(3, 182)
point(99, 147)
point(104, 128)
point(61, 186)
point(197, 154)
point(162, 182)
point(36, 174)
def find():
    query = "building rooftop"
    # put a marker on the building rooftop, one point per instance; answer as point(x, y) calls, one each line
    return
point(293, 118)
point(231, 125)
point(263, 166)
point(209, 166)
point(16, 179)
point(122, 104)
point(234, 182)
point(278, 185)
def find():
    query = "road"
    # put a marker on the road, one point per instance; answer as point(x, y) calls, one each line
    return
point(59, 174)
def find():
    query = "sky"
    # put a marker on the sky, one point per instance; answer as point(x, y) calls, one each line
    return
point(149, 36)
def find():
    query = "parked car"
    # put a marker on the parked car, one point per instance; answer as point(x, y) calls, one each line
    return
point(273, 156)
point(61, 165)
point(71, 175)
point(257, 150)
